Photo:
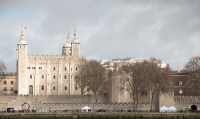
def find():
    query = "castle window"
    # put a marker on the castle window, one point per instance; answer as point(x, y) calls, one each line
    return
point(11, 82)
point(30, 76)
point(76, 87)
point(4, 89)
point(42, 76)
point(180, 91)
point(65, 87)
point(28, 67)
point(65, 77)
point(54, 77)
point(54, 68)
point(11, 89)
point(180, 83)
point(42, 87)
point(33, 67)
point(39, 67)
point(54, 88)
point(76, 68)
point(4, 82)
point(65, 69)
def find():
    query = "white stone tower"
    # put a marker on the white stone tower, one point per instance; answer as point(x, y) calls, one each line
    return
point(66, 50)
point(75, 45)
point(22, 65)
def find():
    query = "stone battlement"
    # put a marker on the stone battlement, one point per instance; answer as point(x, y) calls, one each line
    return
point(52, 57)
point(8, 73)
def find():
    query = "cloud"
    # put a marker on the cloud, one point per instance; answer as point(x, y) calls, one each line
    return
point(106, 29)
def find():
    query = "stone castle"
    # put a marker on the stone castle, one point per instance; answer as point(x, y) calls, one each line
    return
point(45, 75)
point(47, 82)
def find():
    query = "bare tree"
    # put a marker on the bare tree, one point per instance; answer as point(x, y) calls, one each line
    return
point(141, 77)
point(2, 70)
point(2, 66)
point(82, 75)
point(158, 82)
point(97, 76)
point(194, 76)
point(191, 64)
point(132, 80)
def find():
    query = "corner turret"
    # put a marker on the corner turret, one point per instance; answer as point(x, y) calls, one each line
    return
point(22, 65)
point(75, 45)
point(66, 50)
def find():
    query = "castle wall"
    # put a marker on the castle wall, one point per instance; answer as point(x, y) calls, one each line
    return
point(55, 73)
point(43, 102)
point(167, 100)
point(183, 102)
point(118, 95)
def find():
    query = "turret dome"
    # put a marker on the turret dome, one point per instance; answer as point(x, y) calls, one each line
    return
point(75, 40)
point(67, 45)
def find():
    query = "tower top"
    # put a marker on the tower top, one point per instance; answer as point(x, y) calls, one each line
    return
point(75, 40)
point(67, 44)
point(22, 37)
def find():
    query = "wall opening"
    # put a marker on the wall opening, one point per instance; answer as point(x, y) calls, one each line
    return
point(30, 89)
point(193, 108)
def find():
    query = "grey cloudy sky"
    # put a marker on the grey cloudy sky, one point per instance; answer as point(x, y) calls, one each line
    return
point(106, 28)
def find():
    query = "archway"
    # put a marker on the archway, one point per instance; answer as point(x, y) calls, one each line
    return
point(30, 89)
point(25, 106)
point(193, 108)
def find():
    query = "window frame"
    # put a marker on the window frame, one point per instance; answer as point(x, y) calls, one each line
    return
point(180, 91)
point(42, 87)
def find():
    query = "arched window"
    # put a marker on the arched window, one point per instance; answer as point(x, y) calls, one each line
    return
point(31, 76)
point(42, 76)
point(42, 87)
point(65, 77)
point(54, 88)
point(54, 68)
point(65, 87)
point(30, 89)
point(76, 68)
point(76, 87)
point(65, 68)
point(54, 77)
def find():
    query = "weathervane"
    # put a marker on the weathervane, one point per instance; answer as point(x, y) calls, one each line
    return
point(23, 28)
point(68, 35)
point(75, 31)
